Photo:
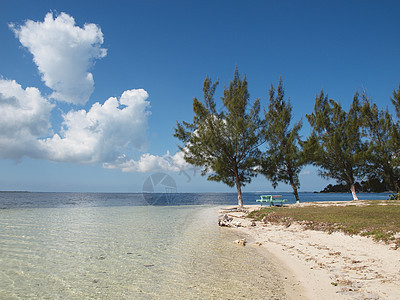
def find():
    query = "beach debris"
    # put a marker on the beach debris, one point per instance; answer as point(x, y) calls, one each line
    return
point(258, 243)
point(253, 223)
point(241, 242)
point(237, 216)
point(236, 224)
point(227, 221)
point(224, 220)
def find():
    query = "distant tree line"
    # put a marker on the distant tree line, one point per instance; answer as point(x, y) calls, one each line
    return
point(237, 142)
point(372, 185)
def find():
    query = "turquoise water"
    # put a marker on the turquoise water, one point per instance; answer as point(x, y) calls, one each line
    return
point(128, 252)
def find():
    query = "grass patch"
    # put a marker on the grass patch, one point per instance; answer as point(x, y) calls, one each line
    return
point(377, 219)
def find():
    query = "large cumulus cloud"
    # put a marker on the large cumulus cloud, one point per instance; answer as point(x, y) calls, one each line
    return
point(105, 133)
point(102, 133)
point(63, 54)
point(24, 118)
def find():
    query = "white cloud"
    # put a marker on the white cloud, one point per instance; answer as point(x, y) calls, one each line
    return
point(63, 54)
point(305, 173)
point(146, 163)
point(150, 163)
point(105, 134)
point(179, 161)
point(102, 133)
point(24, 118)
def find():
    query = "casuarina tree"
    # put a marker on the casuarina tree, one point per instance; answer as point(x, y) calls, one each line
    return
point(381, 133)
point(396, 129)
point(224, 142)
point(335, 144)
point(283, 159)
point(396, 101)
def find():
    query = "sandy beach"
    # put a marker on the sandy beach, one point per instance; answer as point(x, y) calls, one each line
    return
point(319, 265)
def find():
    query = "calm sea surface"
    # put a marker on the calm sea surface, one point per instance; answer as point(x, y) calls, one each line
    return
point(130, 246)
point(10, 200)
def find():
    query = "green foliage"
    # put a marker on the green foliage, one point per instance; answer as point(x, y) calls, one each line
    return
point(335, 144)
point(396, 101)
point(372, 185)
point(283, 160)
point(363, 143)
point(224, 143)
point(381, 132)
point(396, 128)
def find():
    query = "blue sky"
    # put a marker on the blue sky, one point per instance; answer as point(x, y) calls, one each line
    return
point(152, 57)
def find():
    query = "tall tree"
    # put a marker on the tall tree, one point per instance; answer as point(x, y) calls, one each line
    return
point(396, 129)
point(380, 131)
point(283, 160)
point(225, 143)
point(396, 101)
point(335, 144)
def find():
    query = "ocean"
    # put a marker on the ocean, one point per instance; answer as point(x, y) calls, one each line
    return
point(131, 246)
point(9, 200)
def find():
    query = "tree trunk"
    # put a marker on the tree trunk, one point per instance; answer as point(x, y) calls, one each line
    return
point(353, 191)
point(394, 181)
point(296, 194)
point(240, 200)
point(396, 185)
point(294, 187)
point(239, 188)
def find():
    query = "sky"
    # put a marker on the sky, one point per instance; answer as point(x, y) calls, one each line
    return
point(90, 91)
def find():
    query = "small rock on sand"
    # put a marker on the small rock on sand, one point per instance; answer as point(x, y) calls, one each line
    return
point(241, 242)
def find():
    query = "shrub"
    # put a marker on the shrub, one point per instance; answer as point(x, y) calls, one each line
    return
point(395, 196)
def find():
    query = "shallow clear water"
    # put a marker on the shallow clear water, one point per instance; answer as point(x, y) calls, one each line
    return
point(131, 246)
point(128, 252)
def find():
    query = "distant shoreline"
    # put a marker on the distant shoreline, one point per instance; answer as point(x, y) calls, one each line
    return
point(255, 192)
point(15, 192)
point(386, 192)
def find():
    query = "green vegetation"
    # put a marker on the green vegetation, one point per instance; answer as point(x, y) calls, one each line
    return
point(224, 142)
point(233, 143)
point(395, 196)
point(377, 219)
point(380, 131)
point(283, 160)
point(335, 143)
point(373, 185)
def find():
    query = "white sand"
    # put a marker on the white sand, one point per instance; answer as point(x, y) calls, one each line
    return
point(318, 265)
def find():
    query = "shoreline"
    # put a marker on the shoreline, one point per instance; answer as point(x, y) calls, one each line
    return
point(318, 265)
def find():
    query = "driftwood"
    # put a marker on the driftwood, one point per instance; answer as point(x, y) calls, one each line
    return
point(236, 216)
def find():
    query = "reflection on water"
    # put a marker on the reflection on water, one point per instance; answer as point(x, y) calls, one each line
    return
point(127, 252)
